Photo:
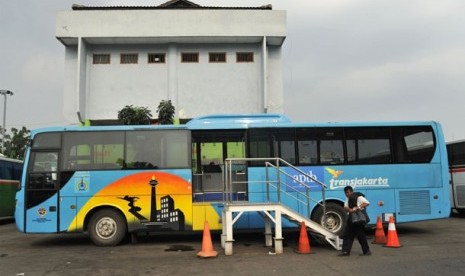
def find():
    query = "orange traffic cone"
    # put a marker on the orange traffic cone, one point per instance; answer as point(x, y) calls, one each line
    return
point(304, 244)
point(380, 238)
point(392, 239)
point(207, 246)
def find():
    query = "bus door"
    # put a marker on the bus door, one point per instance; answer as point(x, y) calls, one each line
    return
point(41, 212)
point(209, 150)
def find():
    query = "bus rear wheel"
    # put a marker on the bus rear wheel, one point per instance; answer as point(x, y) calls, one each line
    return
point(335, 217)
point(461, 212)
point(107, 228)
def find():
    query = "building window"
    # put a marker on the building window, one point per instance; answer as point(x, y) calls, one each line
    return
point(101, 59)
point(217, 57)
point(156, 58)
point(244, 57)
point(129, 58)
point(190, 57)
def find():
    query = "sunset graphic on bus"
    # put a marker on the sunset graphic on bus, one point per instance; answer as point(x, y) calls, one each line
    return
point(137, 187)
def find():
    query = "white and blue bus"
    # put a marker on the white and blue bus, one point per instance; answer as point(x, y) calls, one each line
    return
point(113, 180)
point(456, 154)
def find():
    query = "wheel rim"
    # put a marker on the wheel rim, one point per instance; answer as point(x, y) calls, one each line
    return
point(333, 222)
point(106, 228)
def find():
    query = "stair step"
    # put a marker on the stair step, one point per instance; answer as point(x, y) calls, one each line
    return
point(316, 230)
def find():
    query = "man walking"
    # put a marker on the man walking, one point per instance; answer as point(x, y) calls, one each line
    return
point(354, 201)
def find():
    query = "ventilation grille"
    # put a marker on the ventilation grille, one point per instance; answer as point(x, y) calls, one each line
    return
point(460, 194)
point(414, 202)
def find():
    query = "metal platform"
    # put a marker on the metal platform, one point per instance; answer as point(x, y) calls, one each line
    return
point(272, 213)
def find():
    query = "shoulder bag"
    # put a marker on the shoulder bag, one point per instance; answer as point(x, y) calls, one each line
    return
point(358, 218)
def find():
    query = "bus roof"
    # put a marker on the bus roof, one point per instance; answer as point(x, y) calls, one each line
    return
point(105, 128)
point(243, 121)
point(234, 121)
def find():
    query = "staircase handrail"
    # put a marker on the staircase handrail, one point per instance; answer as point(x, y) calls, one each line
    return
point(307, 189)
point(228, 189)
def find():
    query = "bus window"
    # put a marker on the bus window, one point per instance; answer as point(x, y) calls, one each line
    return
point(331, 149)
point(287, 149)
point(195, 167)
point(47, 140)
point(42, 179)
point(156, 149)
point(6, 170)
point(420, 145)
point(282, 143)
point(416, 144)
point(235, 149)
point(143, 149)
point(175, 147)
point(307, 146)
point(331, 152)
point(45, 162)
point(456, 153)
point(93, 150)
point(368, 145)
point(308, 153)
point(259, 145)
point(212, 153)
point(320, 146)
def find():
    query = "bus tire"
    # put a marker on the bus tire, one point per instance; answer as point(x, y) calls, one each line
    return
point(461, 212)
point(336, 217)
point(107, 228)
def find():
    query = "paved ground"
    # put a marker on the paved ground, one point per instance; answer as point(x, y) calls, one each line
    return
point(428, 248)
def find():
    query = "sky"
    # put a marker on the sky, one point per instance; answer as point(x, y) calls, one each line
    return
point(343, 60)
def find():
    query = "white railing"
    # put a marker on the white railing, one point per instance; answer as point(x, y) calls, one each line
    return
point(275, 187)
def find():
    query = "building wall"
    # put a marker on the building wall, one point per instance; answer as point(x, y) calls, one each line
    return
point(162, 25)
point(98, 91)
point(115, 85)
point(275, 82)
point(70, 92)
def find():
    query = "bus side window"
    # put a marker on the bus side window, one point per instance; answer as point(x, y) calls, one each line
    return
point(415, 144)
point(368, 145)
point(331, 152)
point(5, 170)
point(307, 152)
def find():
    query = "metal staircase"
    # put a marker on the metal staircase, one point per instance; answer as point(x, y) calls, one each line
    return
point(277, 204)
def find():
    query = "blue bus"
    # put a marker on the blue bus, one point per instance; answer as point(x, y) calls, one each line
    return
point(109, 181)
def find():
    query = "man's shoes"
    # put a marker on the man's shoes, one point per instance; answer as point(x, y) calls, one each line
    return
point(366, 254)
point(344, 254)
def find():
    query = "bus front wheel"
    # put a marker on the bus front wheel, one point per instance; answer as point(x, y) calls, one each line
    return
point(107, 228)
point(335, 217)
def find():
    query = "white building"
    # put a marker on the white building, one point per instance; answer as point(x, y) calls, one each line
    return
point(204, 59)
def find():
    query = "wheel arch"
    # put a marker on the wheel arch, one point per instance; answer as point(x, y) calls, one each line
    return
point(94, 210)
